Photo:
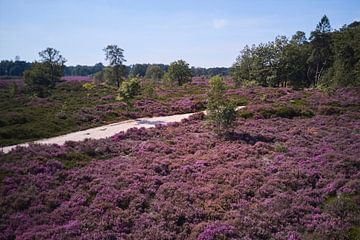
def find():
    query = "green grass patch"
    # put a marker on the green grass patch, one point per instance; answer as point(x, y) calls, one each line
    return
point(245, 114)
point(286, 112)
point(74, 159)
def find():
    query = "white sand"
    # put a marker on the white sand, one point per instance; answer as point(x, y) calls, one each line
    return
point(107, 130)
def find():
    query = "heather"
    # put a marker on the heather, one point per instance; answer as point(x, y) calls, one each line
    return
point(276, 176)
point(71, 107)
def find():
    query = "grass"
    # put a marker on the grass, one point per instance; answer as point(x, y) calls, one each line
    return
point(25, 117)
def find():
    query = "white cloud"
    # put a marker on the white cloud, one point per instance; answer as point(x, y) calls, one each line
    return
point(219, 23)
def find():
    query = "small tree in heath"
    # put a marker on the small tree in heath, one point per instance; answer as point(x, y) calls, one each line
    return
point(129, 89)
point(180, 72)
point(221, 113)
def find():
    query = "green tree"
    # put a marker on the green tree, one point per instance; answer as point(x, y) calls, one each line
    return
point(129, 89)
point(44, 75)
point(180, 72)
point(154, 72)
point(345, 70)
point(321, 55)
point(138, 70)
point(115, 56)
point(243, 68)
point(295, 55)
point(220, 112)
point(38, 79)
point(54, 63)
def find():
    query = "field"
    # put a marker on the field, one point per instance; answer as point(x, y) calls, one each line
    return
point(290, 170)
point(71, 107)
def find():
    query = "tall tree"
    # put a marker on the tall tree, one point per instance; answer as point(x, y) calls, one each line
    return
point(44, 74)
point(320, 57)
point(115, 56)
point(345, 70)
point(243, 68)
point(54, 62)
point(296, 54)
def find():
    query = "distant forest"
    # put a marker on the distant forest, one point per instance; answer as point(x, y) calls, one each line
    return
point(16, 68)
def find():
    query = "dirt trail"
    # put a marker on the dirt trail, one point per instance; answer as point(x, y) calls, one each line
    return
point(107, 130)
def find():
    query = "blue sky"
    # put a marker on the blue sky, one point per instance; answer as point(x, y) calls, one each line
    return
point(204, 33)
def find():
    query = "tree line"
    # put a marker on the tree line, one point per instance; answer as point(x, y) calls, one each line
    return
point(17, 68)
point(327, 58)
point(43, 74)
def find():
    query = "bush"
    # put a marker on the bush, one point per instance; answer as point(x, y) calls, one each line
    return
point(38, 79)
point(285, 112)
point(88, 86)
point(249, 83)
point(149, 89)
point(129, 89)
point(246, 114)
point(221, 112)
point(13, 89)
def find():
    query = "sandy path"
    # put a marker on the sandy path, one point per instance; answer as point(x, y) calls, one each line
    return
point(107, 130)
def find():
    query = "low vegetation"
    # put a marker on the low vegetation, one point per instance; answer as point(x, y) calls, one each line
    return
point(273, 178)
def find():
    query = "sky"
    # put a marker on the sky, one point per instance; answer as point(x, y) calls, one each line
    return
point(204, 33)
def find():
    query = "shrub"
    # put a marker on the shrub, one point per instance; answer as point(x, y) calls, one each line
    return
point(280, 148)
point(330, 110)
point(221, 113)
point(285, 112)
point(249, 83)
point(37, 79)
point(88, 86)
point(246, 114)
point(129, 89)
point(13, 89)
point(149, 89)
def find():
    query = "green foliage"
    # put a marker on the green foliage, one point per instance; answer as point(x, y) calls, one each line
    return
point(345, 70)
point(54, 64)
point(149, 89)
point(249, 83)
point(280, 148)
point(154, 72)
point(88, 86)
point(245, 114)
point(166, 80)
point(329, 59)
point(220, 112)
point(44, 75)
point(13, 68)
point(83, 70)
point(115, 56)
point(179, 72)
point(129, 89)
point(342, 206)
point(13, 89)
point(27, 118)
point(320, 58)
point(354, 233)
point(138, 70)
point(74, 159)
point(37, 79)
point(298, 102)
point(98, 77)
point(286, 112)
